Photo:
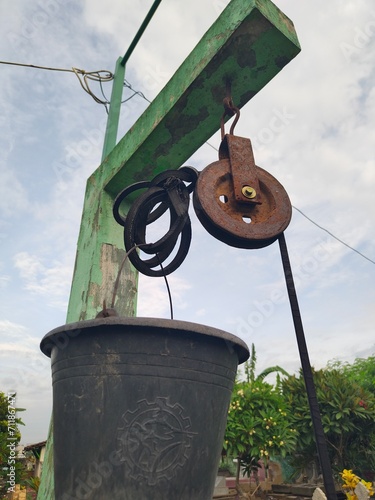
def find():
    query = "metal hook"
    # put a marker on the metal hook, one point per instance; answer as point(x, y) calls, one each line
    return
point(229, 109)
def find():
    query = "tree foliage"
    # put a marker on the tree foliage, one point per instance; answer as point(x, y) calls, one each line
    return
point(362, 371)
point(266, 420)
point(348, 417)
point(258, 424)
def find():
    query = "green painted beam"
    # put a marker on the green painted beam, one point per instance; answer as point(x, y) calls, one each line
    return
point(248, 44)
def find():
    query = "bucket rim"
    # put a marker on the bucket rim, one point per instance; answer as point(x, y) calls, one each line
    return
point(74, 329)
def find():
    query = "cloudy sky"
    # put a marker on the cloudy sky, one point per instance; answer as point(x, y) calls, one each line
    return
point(322, 152)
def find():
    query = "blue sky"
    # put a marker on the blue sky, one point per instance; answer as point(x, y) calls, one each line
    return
point(322, 152)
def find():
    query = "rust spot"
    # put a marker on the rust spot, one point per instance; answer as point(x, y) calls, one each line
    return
point(177, 127)
point(281, 61)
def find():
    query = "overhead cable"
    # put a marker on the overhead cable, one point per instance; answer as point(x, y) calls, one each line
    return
point(83, 76)
point(333, 236)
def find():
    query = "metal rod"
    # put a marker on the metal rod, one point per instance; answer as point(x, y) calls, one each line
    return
point(110, 136)
point(147, 19)
point(320, 439)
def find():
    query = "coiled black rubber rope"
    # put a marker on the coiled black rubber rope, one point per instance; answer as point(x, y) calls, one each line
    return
point(169, 190)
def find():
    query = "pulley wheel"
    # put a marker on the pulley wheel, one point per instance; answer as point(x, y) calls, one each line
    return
point(241, 225)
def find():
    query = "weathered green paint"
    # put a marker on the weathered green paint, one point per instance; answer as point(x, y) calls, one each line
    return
point(100, 253)
point(248, 44)
point(110, 137)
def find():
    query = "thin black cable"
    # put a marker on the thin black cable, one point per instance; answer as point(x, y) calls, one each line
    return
point(333, 236)
point(105, 97)
point(129, 98)
point(102, 91)
point(135, 92)
point(115, 289)
point(167, 285)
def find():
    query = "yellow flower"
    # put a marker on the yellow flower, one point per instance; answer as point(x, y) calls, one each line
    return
point(350, 482)
point(369, 487)
point(350, 479)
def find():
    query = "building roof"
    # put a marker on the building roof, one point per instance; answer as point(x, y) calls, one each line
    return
point(31, 447)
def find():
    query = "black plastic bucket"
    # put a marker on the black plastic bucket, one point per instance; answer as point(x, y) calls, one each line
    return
point(139, 407)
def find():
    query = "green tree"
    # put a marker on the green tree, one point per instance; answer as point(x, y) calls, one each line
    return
point(362, 371)
point(348, 417)
point(259, 423)
point(9, 434)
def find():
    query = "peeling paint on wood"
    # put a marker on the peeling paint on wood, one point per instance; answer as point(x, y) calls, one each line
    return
point(111, 261)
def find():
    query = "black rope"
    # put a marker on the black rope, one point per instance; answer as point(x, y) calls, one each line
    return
point(320, 439)
point(167, 191)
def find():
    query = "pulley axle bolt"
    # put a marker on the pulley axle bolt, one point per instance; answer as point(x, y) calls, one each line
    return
point(249, 192)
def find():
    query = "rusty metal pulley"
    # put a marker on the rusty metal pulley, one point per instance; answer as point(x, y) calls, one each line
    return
point(238, 202)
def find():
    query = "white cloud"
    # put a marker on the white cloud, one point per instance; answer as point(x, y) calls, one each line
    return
point(13, 195)
point(4, 280)
point(12, 330)
point(16, 343)
point(52, 283)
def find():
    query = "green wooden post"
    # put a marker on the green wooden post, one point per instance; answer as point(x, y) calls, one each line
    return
point(248, 44)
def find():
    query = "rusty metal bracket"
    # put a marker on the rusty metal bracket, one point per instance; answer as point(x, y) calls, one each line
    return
point(239, 151)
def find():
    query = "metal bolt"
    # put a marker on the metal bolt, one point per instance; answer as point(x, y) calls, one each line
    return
point(249, 192)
